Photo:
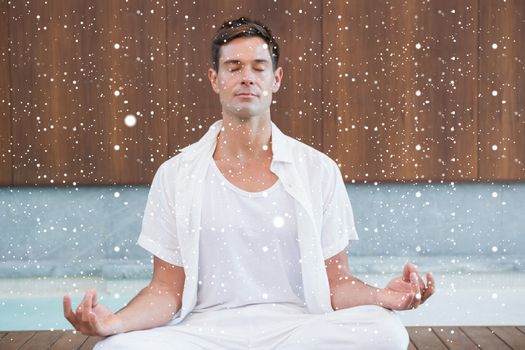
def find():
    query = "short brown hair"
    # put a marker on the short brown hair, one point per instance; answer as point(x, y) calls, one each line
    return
point(241, 28)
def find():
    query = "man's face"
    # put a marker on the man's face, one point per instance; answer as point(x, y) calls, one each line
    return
point(245, 80)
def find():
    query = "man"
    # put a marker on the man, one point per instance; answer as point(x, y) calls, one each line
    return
point(248, 228)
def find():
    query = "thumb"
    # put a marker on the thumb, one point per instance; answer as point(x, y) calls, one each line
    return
point(94, 301)
point(406, 272)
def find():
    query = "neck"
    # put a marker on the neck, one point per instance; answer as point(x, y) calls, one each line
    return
point(244, 140)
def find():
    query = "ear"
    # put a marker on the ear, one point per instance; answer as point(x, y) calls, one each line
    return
point(277, 78)
point(212, 75)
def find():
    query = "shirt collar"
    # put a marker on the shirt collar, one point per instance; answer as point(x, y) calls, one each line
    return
point(280, 143)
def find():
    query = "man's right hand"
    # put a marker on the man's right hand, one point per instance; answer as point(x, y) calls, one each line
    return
point(92, 318)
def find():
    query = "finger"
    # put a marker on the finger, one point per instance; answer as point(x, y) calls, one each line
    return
point(431, 286)
point(413, 268)
point(406, 272)
point(87, 306)
point(415, 289)
point(409, 268)
point(68, 312)
point(95, 324)
point(94, 301)
point(80, 308)
point(422, 285)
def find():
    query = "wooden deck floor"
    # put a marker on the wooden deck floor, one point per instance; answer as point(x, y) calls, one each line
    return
point(432, 338)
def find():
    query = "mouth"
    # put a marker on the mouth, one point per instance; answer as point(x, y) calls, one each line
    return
point(246, 94)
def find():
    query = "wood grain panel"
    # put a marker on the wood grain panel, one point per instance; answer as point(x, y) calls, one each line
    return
point(193, 104)
point(14, 340)
point(90, 343)
point(411, 346)
point(484, 338)
point(5, 99)
point(512, 336)
point(400, 89)
point(502, 90)
point(67, 119)
point(69, 340)
point(424, 338)
point(41, 338)
point(389, 90)
point(454, 338)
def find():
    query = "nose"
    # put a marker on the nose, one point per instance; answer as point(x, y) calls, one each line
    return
point(247, 76)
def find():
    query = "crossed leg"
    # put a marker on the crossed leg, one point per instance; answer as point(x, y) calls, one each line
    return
point(272, 327)
point(362, 327)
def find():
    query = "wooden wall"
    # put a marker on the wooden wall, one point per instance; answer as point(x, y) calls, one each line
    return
point(5, 100)
point(403, 105)
point(65, 73)
point(394, 91)
point(501, 90)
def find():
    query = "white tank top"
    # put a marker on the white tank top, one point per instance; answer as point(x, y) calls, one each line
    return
point(249, 252)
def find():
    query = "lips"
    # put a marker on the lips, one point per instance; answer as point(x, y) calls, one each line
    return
point(246, 94)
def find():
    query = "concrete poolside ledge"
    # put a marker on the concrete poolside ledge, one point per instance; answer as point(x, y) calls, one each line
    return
point(80, 227)
point(435, 338)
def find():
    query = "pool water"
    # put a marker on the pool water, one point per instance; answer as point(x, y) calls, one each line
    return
point(461, 299)
point(36, 304)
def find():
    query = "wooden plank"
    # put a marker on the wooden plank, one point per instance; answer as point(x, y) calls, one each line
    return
point(14, 340)
point(69, 340)
point(510, 335)
point(6, 171)
point(501, 97)
point(65, 69)
point(41, 340)
point(420, 338)
point(484, 338)
point(454, 338)
point(90, 343)
point(425, 338)
point(400, 89)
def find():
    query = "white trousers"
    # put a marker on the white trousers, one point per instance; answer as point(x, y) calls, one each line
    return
point(271, 326)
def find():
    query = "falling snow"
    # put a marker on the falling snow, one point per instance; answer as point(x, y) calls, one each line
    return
point(111, 107)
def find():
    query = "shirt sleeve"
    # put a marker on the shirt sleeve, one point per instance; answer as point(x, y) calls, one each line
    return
point(338, 219)
point(158, 234)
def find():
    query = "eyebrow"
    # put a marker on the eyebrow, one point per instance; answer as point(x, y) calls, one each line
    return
point(258, 60)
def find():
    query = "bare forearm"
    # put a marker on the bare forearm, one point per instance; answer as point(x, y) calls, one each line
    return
point(151, 307)
point(404, 292)
point(351, 291)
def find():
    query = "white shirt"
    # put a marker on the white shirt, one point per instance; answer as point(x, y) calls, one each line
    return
point(172, 223)
point(248, 248)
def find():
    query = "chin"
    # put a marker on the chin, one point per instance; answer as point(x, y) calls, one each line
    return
point(245, 113)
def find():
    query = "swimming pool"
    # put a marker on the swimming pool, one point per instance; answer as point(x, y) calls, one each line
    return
point(36, 303)
point(472, 236)
point(462, 299)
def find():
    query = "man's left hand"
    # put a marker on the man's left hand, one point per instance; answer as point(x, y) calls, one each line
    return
point(407, 291)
